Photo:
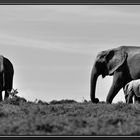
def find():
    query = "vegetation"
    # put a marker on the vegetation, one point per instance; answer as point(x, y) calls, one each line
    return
point(68, 117)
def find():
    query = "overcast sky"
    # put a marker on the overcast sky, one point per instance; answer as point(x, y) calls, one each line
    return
point(53, 47)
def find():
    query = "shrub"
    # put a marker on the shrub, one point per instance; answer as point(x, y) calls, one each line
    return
point(63, 101)
point(42, 102)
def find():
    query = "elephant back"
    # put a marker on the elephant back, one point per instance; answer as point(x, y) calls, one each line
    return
point(136, 87)
point(1, 63)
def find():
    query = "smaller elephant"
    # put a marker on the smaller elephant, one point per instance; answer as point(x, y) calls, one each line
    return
point(132, 89)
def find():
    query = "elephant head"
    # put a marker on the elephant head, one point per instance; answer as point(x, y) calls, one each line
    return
point(106, 63)
point(128, 92)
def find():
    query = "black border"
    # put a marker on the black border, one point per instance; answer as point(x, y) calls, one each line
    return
point(70, 137)
point(71, 2)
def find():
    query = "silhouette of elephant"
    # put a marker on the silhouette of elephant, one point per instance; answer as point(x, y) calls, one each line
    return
point(132, 89)
point(6, 76)
point(123, 63)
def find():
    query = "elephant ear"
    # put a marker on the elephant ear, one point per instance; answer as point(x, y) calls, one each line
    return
point(115, 59)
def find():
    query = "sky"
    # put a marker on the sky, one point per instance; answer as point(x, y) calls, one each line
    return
point(53, 47)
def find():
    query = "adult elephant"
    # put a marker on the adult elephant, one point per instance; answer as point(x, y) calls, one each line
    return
point(6, 76)
point(132, 89)
point(122, 62)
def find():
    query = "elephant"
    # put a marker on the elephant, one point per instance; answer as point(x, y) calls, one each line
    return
point(123, 63)
point(132, 89)
point(6, 76)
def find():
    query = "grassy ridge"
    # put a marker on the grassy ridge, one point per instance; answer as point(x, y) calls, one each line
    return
point(68, 117)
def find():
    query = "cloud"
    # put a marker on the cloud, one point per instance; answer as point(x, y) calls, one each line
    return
point(68, 27)
point(47, 45)
point(69, 13)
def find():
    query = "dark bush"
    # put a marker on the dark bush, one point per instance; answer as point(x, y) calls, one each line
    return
point(15, 100)
point(63, 102)
point(42, 102)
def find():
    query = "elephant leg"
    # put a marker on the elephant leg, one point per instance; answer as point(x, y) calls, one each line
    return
point(6, 95)
point(137, 95)
point(1, 86)
point(116, 86)
point(126, 98)
point(0, 95)
point(129, 99)
point(8, 85)
point(136, 99)
point(125, 93)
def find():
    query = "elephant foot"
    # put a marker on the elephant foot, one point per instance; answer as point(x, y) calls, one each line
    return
point(95, 100)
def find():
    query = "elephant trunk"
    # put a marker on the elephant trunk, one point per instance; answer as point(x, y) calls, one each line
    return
point(93, 80)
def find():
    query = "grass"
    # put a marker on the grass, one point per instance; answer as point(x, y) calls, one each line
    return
point(68, 117)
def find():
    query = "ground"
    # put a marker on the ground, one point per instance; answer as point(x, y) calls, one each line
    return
point(68, 118)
